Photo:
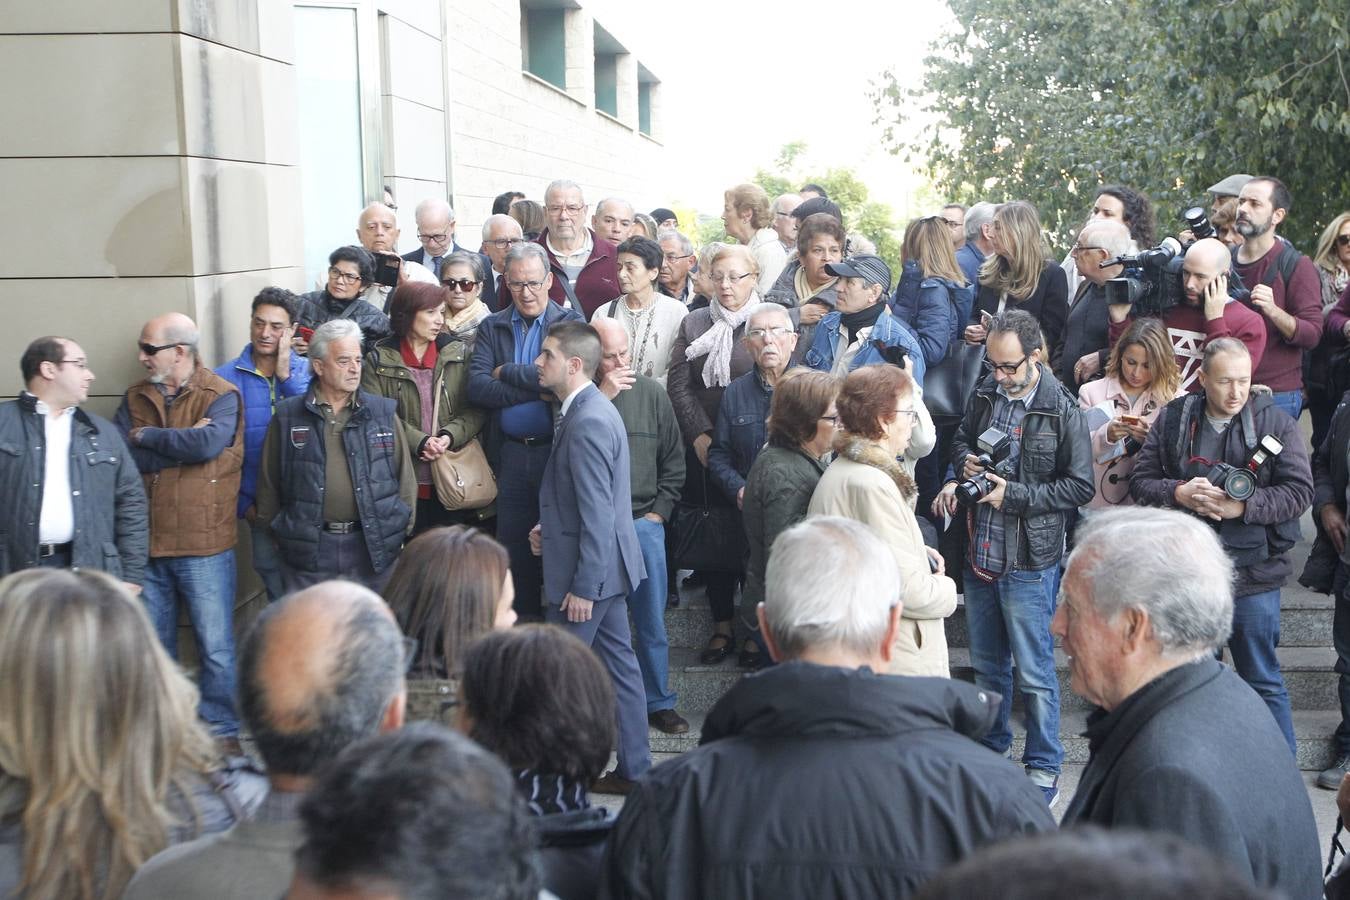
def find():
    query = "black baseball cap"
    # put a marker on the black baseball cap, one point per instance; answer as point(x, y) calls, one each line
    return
point(870, 268)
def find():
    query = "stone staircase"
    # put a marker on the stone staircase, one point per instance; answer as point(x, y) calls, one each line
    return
point(1306, 659)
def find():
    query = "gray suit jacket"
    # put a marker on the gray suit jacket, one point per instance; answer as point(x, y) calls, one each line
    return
point(585, 506)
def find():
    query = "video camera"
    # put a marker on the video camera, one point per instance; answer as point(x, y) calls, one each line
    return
point(994, 447)
point(1152, 281)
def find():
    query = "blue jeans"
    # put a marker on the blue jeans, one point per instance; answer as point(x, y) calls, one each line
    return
point(1256, 634)
point(1289, 401)
point(1009, 621)
point(647, 605)
point(206, 585)
point(267, 561)
point(519, 477)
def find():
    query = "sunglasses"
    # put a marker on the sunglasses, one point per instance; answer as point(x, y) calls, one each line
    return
point(464, 284)
point(152, 349)
point(1342, 240)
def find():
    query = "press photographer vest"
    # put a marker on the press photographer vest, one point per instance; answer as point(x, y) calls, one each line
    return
point(1246, 544)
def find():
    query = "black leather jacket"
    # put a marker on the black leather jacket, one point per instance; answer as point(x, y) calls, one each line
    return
point(1054, 473)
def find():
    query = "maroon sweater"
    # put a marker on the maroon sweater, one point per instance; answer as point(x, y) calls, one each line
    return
point(598, 282)
point(1281, 367)
point(1190, 331)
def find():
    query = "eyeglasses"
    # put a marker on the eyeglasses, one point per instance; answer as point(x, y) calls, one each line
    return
point(785, 215)
point(152, 349)
point(1079, 248)
point(913, 414)
point(673, 258)
point(775, 331)
point(432, 238)
point(464, 284)
point(77, 363)
point(504, 243)
point(342, 277)
point(833, 420)
point(517, 287)
point(952, 223)
point(571, 209)
point(1342, 240)
point(409, 654)
point(724, 279)
point(1006, 368)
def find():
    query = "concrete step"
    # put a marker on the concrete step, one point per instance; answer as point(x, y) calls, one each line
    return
point(1305, 620)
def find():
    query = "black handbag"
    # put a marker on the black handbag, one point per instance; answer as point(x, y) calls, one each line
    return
point(707, 538)
point(948, 384)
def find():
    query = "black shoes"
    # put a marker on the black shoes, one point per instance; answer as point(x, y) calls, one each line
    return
point(668, 721)
point(718, 649)
point(612, 783)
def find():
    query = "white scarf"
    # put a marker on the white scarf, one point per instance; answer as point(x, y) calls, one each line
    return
point(718, 341)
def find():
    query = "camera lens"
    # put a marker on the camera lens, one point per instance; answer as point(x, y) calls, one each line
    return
point(1240, 484)
point(970, 491)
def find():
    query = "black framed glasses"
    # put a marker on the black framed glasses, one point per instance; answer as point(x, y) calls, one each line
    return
point(152, 349)
point(433, 238)
point(517, 287)
point(342, 277)
point(504, 243)
point(1005, 368)
point(464, 284)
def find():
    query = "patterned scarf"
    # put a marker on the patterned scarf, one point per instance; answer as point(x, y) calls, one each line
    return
point(547, 794)
point(719, 341)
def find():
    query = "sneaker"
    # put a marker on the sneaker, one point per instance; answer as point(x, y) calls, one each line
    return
point(612, 783)
point(668, 721)
point(1330, 779)
point(1051, 793)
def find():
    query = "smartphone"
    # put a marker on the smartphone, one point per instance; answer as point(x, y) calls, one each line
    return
point(305, 334)
point(985, 318)
point(386, 269)
point(1132, 420)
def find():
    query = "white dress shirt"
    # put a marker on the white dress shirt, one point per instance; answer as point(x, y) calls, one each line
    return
point(56, 523)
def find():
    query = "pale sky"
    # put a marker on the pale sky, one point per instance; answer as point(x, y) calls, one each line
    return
point(741, 79)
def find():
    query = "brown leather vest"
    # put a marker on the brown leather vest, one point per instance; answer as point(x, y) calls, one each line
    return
point(192, 507)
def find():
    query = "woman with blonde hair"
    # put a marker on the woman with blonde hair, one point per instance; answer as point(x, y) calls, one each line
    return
point(1020, 274)
point(102, 760)
point(940, 308)
point(1141, 378)
point(1332, 259)
point(865, 483)
point(1326, 369)
point(450, 586)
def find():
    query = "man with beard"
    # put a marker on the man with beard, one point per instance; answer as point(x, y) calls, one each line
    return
point(1285, 289)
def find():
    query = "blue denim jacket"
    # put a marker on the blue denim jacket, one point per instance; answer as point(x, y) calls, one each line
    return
point(888, 329)
point(740, 431)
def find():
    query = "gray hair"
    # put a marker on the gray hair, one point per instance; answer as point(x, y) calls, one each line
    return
point(466, 258)
point(600, 207)
point(1215, 346)
point(499, 219)
point(182, 331)
point(563, 184)
point(766, 308)
point(332, 330)
point(670, 234)
point(841, 597)
point(524, 251)
point(981, 213)
point(1165, 563)
point(433, 205)
point(1109, 234)
point(709, 253)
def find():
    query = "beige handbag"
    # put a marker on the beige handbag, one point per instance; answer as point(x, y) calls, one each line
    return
point(462, 477)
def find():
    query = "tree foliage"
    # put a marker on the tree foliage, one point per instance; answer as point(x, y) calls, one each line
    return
point(1046, 101)
point(862, 215)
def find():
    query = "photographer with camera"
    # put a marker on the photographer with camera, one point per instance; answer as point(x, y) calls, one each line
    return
point(1205, 311)
point(1024, 452)
point(1236, 460)
point(1284, 288)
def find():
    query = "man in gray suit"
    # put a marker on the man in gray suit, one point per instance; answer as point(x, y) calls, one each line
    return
point(591, 556)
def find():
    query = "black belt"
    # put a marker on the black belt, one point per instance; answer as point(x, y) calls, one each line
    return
point(341, 527)
point(46, 551)
point(532, 441)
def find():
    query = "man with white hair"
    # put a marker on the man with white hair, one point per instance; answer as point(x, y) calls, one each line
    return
point(1179, 743)
point(436, 233)
point(613, 220)
point(783, 222)
point(821, 776)
point(377, 230)
point(979, 243)
point(500, 234)
point(584, 265)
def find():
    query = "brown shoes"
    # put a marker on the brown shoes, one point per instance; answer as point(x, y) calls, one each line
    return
point(612, 783)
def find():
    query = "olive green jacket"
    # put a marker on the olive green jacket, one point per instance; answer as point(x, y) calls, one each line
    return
point(386, 374)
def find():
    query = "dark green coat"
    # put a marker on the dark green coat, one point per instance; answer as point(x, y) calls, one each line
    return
point(385, 374)
point(777, 493)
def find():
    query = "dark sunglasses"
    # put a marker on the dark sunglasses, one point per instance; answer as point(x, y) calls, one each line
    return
point(1342, 240)
point(151, 349)
point(464, 284)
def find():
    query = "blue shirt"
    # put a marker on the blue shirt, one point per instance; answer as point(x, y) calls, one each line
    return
point(532, 419)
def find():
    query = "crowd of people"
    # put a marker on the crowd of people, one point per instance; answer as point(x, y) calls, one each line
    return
point(491, 467)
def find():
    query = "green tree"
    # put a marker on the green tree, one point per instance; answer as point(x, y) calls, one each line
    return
point(1048, 100)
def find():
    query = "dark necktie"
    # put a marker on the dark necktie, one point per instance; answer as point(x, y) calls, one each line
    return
point(436, 266)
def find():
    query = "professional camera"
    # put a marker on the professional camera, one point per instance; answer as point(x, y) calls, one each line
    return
point(994, 447)
point(1198, 223)
point(1239, 482)
point(1151, 282)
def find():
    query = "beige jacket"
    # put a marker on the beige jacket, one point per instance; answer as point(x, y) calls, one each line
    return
point(866, 484)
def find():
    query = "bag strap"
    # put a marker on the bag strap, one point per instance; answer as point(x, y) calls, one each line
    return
point(1177, 433)
point(561, 274)
point(436, 404)
point(350, 308)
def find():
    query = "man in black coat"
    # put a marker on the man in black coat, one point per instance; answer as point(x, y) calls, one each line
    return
point(1178, 743)
point(823, 776)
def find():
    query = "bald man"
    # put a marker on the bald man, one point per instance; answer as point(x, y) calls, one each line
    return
point(783, 222)
point(656, 457)
point(613, 220)
point(185, 426)
point(319, 670)
point(377, 230)
point(1206, 312)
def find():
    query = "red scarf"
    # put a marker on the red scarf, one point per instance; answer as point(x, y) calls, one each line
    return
point(428, 360)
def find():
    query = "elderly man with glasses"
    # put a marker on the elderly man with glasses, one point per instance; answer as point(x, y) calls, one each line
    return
point(500, 234)
point(185, 427)
point(584, 266)
point(518, 437)
point(1087, 331)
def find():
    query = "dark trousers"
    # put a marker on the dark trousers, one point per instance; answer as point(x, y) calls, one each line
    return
point(519, 476)
point(1340, 638)
point(607, 633)
point(930, 471)
point(340, 556)
point(721, 586)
